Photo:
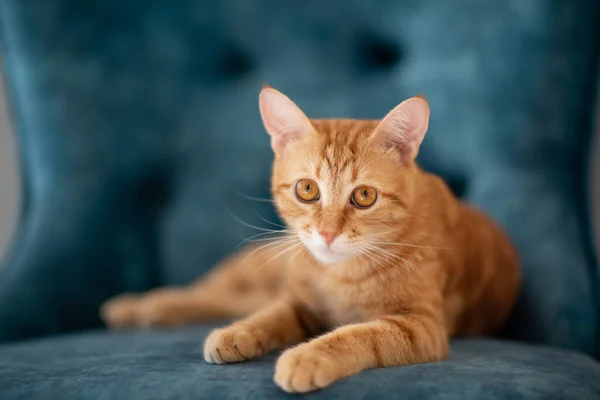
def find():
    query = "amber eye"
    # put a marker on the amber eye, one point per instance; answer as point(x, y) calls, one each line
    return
point(307, 190)
point(363, 196)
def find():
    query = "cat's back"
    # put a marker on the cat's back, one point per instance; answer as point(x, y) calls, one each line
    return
point(490, 276)
point(477, 258)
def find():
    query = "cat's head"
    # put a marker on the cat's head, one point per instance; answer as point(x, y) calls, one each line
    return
point(344, 186)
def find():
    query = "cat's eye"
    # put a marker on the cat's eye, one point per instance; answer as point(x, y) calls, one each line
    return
point(307, 190)
point(363, 196)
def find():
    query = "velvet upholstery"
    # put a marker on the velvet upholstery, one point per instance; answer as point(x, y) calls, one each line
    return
point(169, 365)
point(137, 127)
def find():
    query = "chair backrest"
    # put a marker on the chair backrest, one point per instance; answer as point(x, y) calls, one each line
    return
point(137, 124)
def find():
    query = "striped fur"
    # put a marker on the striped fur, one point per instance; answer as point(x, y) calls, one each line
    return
point(440, 269)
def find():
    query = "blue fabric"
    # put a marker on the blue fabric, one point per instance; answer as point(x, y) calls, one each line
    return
point(169, 365)
point(137, 123)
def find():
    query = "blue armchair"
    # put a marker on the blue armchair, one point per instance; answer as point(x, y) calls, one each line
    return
point(137, 127)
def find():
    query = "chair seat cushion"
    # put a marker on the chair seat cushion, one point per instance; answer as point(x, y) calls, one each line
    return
point(168, 364)
point(139, 135)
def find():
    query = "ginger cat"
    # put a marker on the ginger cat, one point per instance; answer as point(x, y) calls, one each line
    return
point(381, 264)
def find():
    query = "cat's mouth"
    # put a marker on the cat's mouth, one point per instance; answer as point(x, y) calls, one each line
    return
point(335, 253)
point(329, 256)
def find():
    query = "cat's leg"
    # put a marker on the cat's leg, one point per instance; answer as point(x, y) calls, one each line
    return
point(236, 288)
point(386, 341)
point(280, 324)
point(170, 307)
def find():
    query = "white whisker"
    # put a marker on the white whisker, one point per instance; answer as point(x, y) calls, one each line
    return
point(386, 232)
point(275, 242)
point(388, 256)
point(284, 251)
point(379, 261)
point(253, 198)
point(283, 237)
point(266, 234)
point(365, 150)
point(413, 245)
point(267, 221)
point(300, 251)
point(295, 246)
point(250, 225)
point(373, 160)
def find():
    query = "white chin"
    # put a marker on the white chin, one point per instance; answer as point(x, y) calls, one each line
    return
point(335, 254)
point(328, 256)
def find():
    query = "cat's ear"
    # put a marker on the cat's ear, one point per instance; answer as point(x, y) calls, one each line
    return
point(282, 119)
point(404, 128)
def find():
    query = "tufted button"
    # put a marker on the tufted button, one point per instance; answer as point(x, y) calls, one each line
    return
point(218, 60)
point(153, 193)
point(233, 62)
point(375, 52)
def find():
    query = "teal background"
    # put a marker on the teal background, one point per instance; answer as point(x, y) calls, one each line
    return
point(137, 125)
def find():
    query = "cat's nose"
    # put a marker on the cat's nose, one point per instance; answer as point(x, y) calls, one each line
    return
point(329, 236)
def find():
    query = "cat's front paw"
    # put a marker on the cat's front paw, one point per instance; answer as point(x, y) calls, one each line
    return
point(234, 344)
point(305, 368)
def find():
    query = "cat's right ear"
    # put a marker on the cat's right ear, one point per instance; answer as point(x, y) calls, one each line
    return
point(283, 120)
point(403, 129)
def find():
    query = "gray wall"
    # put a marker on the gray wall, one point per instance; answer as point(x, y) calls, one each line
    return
point(9, 184)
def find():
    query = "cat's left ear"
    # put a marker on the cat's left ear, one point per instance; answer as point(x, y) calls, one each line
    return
point(404, 128)
point(282, 119)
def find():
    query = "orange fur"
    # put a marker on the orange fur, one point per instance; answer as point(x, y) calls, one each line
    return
point(426, 266)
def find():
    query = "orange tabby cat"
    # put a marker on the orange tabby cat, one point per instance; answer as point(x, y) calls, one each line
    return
point(380, 266)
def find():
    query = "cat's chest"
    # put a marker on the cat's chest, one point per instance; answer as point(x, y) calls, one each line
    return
point(335, 304)
point(337, 301)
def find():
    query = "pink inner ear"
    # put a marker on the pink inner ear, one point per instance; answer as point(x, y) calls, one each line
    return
point(283, 120)
point(404, 128)
point(406, 150)
point(278, 142)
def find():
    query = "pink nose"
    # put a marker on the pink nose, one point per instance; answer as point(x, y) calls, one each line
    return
point(329, 237)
